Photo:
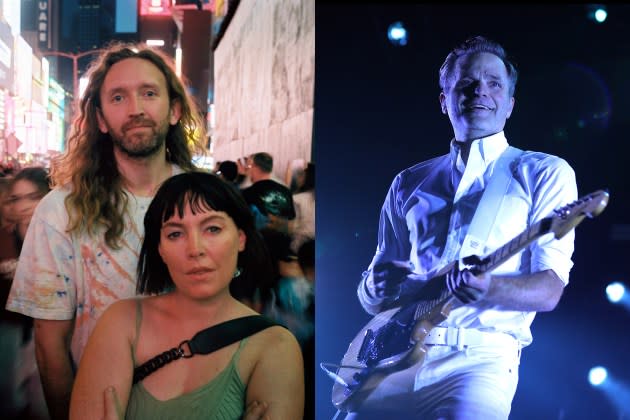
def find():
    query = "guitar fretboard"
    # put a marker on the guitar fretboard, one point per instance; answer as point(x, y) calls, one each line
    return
point(426, 308)
point(510, 249)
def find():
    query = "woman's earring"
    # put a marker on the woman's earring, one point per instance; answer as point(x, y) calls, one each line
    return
point(237, 273)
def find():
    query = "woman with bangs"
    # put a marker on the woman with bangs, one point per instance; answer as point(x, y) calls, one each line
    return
point(199, 235)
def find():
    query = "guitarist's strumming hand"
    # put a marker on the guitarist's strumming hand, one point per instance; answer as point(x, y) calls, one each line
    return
point(465, 283)
point(388, 277)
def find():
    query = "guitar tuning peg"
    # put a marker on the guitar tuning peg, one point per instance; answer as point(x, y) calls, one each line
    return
point(562, 212)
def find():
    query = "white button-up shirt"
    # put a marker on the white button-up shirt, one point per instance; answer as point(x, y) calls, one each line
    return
point(428, 210)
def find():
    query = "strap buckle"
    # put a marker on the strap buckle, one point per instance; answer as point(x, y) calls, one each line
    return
point(182, 352)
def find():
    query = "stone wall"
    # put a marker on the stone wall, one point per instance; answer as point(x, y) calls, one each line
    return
point(264, 73)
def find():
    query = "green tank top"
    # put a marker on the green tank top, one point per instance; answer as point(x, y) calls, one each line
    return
point(223, 398)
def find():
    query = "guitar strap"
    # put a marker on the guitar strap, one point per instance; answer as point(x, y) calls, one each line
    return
point(489, 205)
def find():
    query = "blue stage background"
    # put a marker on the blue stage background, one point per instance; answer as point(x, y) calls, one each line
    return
point(377, 112)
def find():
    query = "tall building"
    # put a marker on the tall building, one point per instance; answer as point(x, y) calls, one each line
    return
point(67, 31)
point(39, 24)
point(92, 19)
point(72, 27)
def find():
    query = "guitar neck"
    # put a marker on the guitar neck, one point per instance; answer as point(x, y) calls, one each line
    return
point(441, 297)
point(511, 248)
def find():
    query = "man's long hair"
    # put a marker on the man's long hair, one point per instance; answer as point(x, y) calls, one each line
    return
point(88, 166)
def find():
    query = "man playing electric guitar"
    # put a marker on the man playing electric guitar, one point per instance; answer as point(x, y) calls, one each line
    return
point(470, 366)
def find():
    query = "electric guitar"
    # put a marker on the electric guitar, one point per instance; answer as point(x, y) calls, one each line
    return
point(393, 339)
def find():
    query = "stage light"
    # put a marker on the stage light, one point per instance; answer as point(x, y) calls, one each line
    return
point(600, 15)
point(397, 34)
point(597, 375)
point(597, 12)
point(615, 292)
point(615, 389)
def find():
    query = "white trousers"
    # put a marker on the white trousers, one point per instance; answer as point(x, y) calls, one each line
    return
point(472, 383)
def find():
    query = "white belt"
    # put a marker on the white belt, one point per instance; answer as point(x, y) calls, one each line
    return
point(466, 337)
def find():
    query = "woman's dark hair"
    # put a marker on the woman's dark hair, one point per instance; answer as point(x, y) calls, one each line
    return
point(202, 191)
point(36, 175)
point(229, 170)
point(309, 178)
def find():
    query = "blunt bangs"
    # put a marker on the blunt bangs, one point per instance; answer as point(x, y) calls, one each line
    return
point(202, 191)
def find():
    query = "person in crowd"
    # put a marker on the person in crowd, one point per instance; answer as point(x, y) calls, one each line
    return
point(470, 369)
point(25, 191)
point(228, 170)
point(136, 125)
point(271, 202)
point(5, 223)
point(306, 260)
point(303, 227)
point(290, 298)
point(21, 394)
point(199, 233)
point(242, 179)
point(294, 176)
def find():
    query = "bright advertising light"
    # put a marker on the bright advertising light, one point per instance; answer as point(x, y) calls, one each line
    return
point(83, 83)
point(178, 61)
point(155, 42)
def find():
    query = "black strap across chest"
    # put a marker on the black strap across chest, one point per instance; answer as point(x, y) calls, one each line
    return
point(205, 342)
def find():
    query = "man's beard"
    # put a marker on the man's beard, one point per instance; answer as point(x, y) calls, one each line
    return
point(140, 145)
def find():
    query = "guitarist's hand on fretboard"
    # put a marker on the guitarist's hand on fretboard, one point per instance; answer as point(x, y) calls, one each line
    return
point(466, 283)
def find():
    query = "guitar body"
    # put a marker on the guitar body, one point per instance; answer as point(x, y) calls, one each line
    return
point(394, 339)
point(390, 342)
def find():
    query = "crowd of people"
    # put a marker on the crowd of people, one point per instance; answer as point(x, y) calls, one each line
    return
point(21, 393)
point(124, 249)
point(284, 213)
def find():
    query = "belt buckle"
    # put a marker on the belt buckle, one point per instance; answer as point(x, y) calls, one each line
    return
point(455, 337)
point(461, 338)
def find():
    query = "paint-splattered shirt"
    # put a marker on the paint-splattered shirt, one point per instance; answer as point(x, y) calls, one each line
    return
point(62, 276)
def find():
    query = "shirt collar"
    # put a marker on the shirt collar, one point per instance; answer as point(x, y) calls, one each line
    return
point(487, 149)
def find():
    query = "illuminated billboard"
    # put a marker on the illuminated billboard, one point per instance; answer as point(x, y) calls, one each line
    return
point(155, 7)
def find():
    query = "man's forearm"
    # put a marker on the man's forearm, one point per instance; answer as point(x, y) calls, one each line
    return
point(52, 349)
point(57, 383)
point(537, 292)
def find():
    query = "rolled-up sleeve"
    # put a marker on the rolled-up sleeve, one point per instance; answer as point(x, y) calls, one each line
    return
point(554, 187)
